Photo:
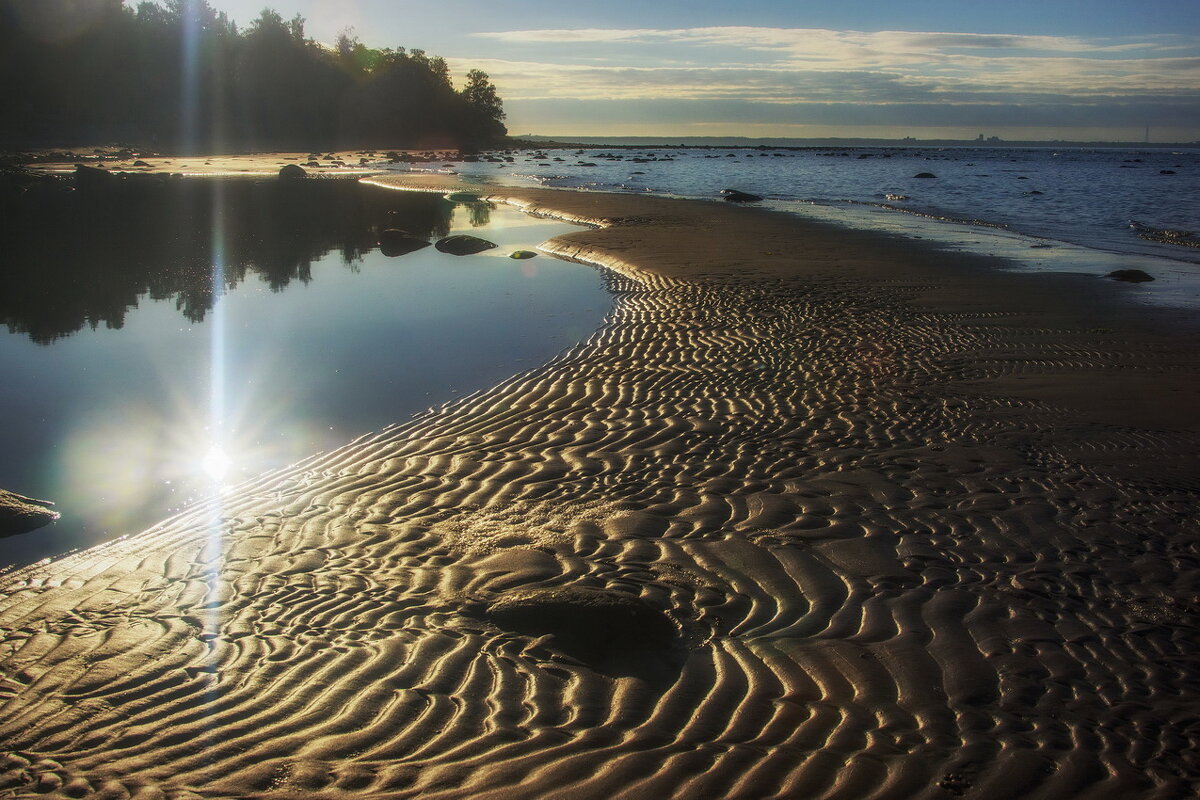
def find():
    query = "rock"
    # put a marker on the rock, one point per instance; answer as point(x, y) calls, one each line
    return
point(463, 245)
point(599, 627)
point(896, 198)
point(522, 254)
point(463, 197)
point(1130, 276)
point(292, 171)
point(19, 514)
point(394, 242)
point(93, 177)
point(140, 163)
point(735, 196)
point(1166, 172)
point(924, 175)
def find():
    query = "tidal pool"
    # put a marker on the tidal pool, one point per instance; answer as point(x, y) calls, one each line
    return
point(162, 340)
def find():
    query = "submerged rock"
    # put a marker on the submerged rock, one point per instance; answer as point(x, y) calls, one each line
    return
point(463, 244)
point(735, 196)
point(292, 171)
point(924, 175)
point(19, 514)
point(522, 254)
point(1130, 275)
point(395, 242)
point(463, 197)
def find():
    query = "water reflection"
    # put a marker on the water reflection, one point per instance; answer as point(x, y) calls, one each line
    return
point(83, 258)
point(153, 353)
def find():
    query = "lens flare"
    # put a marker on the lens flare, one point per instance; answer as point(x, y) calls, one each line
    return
point(216, 464)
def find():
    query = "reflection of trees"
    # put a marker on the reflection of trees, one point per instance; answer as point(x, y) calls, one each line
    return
point(481, 214)
point(72, 258)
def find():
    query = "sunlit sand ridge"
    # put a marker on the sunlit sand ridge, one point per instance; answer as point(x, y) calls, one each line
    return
point(913, 530)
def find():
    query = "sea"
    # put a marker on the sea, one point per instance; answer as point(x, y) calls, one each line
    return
point(1090, 210)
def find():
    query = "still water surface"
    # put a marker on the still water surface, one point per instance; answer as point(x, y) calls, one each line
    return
point(123, 403)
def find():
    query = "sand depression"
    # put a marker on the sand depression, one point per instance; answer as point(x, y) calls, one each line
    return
point(815, 514)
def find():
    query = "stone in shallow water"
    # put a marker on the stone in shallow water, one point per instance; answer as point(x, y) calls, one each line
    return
point(19, 514)
point(522, 254)
point(736, 196)
point(462, 197)
point(1130, 276)
point(395, 242)
point(463, 244)
point(292, 171)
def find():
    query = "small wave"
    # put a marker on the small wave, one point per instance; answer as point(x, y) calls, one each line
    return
point(929, 214)
point(1165, 235)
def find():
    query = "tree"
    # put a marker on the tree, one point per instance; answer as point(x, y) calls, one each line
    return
point(484, 113)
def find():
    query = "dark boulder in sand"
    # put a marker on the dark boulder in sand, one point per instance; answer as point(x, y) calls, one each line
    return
point(19, 514)
point(924, 175)
point(1130, 276)
point(395, 242)
point(608, 630)
point(463, 245)
point(290, 171)
point(735, 196)
point(93, 177)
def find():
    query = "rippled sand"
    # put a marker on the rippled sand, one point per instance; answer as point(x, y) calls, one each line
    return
point(914, 529)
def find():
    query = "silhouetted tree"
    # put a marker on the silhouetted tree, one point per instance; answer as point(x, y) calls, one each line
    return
point(178, 74)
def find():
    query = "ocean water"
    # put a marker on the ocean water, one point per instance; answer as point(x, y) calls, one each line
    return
point(1079, 210)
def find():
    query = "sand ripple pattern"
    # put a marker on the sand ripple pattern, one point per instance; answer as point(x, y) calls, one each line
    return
point(880, 592)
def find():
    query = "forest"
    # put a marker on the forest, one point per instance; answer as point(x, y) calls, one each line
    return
point(178, 76)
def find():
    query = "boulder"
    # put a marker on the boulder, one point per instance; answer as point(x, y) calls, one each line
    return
point(463, 244)
point(19, 514)
point(521, 254)
point(463, 197)
point(394, 242)
point(292, 171)
point(735, 196)
point(924, 175)
point(1130, 276)
point(93, 178)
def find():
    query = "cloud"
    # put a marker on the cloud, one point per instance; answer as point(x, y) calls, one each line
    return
point(801, 71)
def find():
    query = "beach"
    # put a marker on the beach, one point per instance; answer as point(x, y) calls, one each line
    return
point(816, 513)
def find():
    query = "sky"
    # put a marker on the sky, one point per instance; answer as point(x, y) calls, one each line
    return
point(1017, 69)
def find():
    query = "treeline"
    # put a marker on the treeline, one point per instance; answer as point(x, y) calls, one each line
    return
point(179, 76)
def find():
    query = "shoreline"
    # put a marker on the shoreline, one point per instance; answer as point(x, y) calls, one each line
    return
point(919, 528)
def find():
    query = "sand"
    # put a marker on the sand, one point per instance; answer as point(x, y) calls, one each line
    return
point(815, 514)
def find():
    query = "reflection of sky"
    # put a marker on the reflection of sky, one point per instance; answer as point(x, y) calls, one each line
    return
point(100, 421)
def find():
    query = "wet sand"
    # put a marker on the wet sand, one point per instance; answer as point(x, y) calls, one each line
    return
point(815, 514)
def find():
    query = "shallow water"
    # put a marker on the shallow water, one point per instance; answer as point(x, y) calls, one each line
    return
point(130, 384)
